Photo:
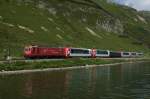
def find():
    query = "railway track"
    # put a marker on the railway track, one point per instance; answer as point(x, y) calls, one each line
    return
point(48, 60)
point(32, 60)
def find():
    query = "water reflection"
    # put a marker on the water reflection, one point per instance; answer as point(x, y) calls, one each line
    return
point(129, 81)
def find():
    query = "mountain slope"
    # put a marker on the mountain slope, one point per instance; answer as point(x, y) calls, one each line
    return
point(77, 23)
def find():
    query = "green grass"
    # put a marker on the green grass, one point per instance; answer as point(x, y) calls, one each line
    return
point(67, 25)
point(7, 66)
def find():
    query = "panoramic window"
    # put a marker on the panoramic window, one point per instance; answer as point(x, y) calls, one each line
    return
point(102, 52)
point(79, 51)
point(125, 53)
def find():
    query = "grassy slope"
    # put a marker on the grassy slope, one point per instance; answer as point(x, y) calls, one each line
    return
point(64, 26)
point(133, 22)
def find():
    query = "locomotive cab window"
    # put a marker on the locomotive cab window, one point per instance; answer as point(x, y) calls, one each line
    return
point(27, 49)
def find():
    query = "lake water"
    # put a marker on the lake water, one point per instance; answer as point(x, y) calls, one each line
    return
point(128, 81)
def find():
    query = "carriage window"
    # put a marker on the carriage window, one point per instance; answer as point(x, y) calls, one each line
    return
point(115, 53)
point(126, 53)
point(133, 53)
point(79, 51)
point(140, 54)
point(102, 52)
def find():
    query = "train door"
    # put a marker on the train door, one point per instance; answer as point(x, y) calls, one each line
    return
point(67, 52)
point(93, 53)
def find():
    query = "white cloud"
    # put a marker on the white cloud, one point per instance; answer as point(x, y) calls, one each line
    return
point(138, 4)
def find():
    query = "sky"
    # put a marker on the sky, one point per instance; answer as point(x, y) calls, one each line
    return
point(137, 4)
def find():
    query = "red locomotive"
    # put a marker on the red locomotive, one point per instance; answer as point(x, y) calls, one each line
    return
point(45, 52)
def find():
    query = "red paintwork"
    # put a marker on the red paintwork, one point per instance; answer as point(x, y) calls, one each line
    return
point(38, 52)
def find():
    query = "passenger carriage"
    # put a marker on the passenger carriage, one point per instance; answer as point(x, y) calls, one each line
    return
point(139, 54)
point(126, 54)
point(133, 54)
point(102, 53)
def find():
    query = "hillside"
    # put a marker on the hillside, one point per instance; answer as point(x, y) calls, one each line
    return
point(146, 15)
point(77, 23)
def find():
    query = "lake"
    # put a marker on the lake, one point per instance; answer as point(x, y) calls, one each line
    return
point(128, 81)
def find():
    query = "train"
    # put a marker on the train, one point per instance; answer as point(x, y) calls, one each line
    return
point(32, 52)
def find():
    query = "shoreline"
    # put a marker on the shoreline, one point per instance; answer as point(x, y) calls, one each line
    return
point(64, 68)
